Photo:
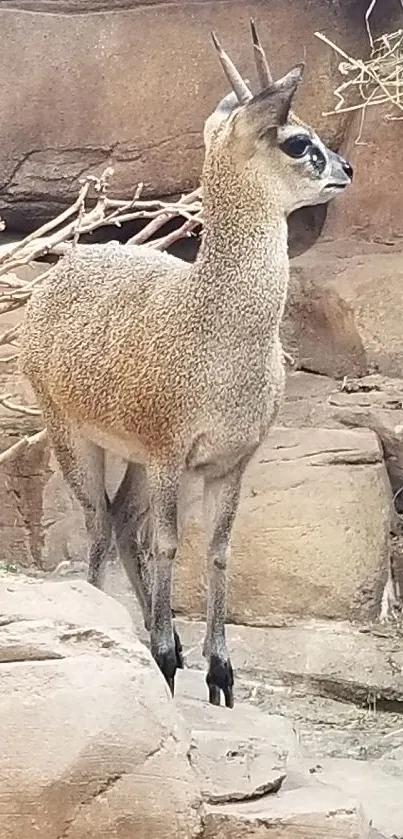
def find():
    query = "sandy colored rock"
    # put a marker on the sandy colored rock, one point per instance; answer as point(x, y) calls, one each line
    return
point(73, 676)
point(306, 402)
point(24, 601)
point(92, 744)
point(23, 477)
point(326, 658)
point(373, 206)
point(392, 761)
point(373, 787)
point(81, 739)
point(310, 539)
point(244, 720)
point(235, 770)
point(90, 92)
point(342, 315)
point(311, 534)
point(376, 402)
point(305, 813)
point(237, 756)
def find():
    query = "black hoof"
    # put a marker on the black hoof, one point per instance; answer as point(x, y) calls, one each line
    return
point(220, 677)
point(167, 664)
point(180, 662)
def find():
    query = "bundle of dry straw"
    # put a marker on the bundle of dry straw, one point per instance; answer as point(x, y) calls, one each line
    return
point(376, 80)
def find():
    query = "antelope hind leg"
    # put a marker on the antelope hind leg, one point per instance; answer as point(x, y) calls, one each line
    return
point(82, 465)
point(131, 518)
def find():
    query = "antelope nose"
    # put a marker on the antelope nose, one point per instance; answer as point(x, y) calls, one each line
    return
point(347, 168)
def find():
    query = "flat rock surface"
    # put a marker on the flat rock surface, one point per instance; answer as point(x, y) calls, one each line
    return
point(24, 600)
point(240, 755)
point(235, 769)
point(310, 813)
point(336, 660)
point(380, 794)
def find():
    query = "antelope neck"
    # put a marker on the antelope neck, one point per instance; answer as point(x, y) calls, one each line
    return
point(236, 244)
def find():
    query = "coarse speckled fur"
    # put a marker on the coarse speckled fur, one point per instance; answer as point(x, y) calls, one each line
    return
point(178, 368)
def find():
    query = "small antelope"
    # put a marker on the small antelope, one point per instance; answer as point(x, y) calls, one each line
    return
point(178, 368)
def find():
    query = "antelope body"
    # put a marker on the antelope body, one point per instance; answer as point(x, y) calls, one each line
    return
point(179, 368)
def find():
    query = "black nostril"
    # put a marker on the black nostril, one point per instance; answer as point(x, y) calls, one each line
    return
point(347, 169)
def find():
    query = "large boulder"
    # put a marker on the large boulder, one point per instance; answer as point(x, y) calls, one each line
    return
point(372, 208)
point(311, 535)
point(92, 745)
point(240, 756)
point(343, 313)
point(130, 84)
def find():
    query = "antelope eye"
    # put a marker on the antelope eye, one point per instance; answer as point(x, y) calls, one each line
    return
point(296, 146)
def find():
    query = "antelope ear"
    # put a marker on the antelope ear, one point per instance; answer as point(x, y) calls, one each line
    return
point(223, 109)
point(270, 108)
point(228, 103)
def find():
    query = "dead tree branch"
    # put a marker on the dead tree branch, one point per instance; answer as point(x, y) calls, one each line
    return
point(6, 402)
point(24, 443)
point(65, 231)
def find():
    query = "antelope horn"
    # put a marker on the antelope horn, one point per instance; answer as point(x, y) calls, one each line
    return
point(262, 64)
point(235, 79)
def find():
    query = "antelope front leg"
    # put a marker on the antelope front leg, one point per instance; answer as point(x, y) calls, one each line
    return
point(221, 497)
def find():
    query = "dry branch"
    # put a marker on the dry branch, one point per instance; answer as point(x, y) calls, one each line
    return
point(22, 444)
point(6, 400)
point(64, 232)
point(8, 336)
